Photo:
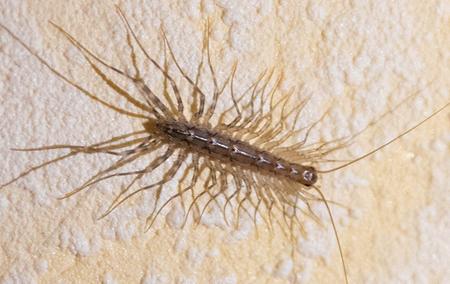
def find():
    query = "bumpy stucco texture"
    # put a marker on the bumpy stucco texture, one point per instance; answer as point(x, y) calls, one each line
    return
point(361, 58)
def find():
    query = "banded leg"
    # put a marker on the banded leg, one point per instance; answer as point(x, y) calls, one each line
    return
point(73, 152)
point(195, 89)
point(251, 104)
point(87, 54)
point(154, 164)
point(167, 176)
point(246, 197)
point(68, 81)
point(222, 186)
point(162, 70)
point(221, 124)
point(98, 176)
point(180, 193)
point(198, 196)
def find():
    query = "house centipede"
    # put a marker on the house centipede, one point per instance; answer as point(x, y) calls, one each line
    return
point(223, 147)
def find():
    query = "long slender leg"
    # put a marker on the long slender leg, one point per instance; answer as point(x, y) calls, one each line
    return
point(164, 71)
point(166, 178)
point(154, 105)
point(202, 168)
point(210, 112)
point(251, 104)
point(86, 53)
point(196, 89)
point(179, 111)
point(214, 168)
point(223, 186)
point(261, 116)
point(263, 182)
point(269, 146)
point(191, 167)
point(297, 109)
point(269, 135)
point(280, 124)
point(85, 149)
point(211, 70)
point(255, 193)
point(215, 182)
point(260, 127)
point(148, 169)
point(235, 103)
point(63, 157)
point(238, 195)
point(233, 194)
point(152, 100)
point(68, 81)
point(210, 183)
point(176, 91)
point(154, 164)
point(256, 93)
point(221, 124)
point(138, 150)
point(246, 197)
point(196, 198)
point(251, 132)
point(273, 196)
point(32, 169)
point(195, 175)
point(217, 91)
point(118, 164)
point(296, 146)
point(239, 183)
point(166, 74)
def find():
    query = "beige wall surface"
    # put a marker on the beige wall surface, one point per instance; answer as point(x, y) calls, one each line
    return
point(362, 58)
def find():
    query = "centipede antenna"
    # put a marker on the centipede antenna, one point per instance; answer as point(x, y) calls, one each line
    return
point(385, 144)
point(322, 196)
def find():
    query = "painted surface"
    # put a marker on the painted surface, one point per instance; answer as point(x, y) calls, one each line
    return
point(362, 58)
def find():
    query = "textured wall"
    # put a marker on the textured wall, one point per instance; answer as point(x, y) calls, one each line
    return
point(363, 58)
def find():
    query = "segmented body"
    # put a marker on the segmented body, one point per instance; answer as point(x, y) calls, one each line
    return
point(227, 149)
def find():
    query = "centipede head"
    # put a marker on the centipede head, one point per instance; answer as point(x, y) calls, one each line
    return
point(304, 174)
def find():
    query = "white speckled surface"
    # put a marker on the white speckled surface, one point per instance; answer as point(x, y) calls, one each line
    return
point(363, 58)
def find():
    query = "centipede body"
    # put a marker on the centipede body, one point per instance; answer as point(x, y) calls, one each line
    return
point(226, 149)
